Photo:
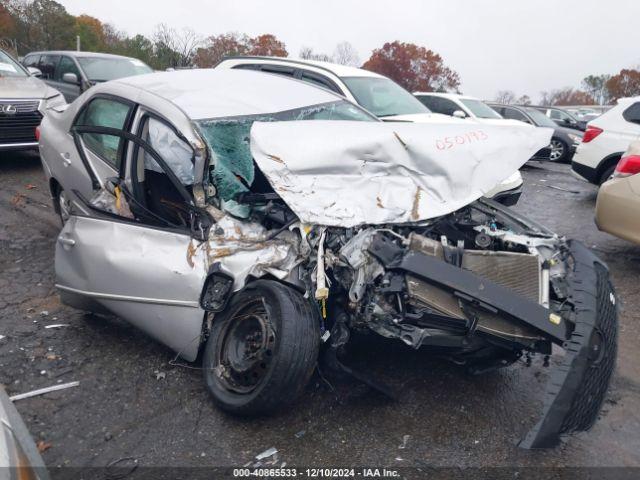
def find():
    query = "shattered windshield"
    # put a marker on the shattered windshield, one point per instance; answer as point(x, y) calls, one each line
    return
point(383, 97)
point(232, 168)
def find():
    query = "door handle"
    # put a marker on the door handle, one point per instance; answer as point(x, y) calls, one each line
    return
point(69, 242)
point(65, 159)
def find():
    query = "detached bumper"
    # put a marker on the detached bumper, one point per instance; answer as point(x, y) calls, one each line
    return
point(577, 388)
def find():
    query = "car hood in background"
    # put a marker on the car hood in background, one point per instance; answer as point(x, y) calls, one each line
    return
point(341, 173)
point(24, 87)
point(423, 118)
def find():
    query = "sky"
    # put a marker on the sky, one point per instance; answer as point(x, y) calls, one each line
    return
point(527, 46)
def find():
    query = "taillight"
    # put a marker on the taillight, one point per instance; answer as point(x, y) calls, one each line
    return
point(38, 133)
point(591, 133)
point(627, 166)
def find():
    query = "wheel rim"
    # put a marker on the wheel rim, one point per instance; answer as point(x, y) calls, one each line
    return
point(246, 350)
point(65, 206)
point(557, 150)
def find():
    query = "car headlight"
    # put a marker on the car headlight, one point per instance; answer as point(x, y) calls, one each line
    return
point(575, 138)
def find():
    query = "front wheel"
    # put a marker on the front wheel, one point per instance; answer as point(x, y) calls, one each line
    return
point(262, 349)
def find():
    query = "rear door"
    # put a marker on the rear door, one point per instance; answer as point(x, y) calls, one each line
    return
point(140, 262)
point(93, 157)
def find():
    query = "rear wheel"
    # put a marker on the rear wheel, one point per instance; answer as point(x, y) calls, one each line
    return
point(262, 349)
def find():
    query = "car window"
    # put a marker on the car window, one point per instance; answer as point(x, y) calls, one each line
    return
point(31, 61)
point(479, 108)
point(152, 186)
point(540, 118)
point(444, 106)
point(102, 69)
point(632, 113)
point(9, 67)
point(66, 65)
point(319, 80)
point(513, 114)
point(383, 97)
point(47, 66)
point(104, 112)
point(176, 153)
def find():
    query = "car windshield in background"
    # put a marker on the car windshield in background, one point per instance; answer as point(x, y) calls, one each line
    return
point(9, 67)
point(103, 69)
point(540, 118)
point(480, 109)
point(228, 140)
point(383, 97)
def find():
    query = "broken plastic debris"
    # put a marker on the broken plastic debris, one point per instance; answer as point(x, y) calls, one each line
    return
point(267, 453)
point(405, 439)
point(57, 325)
point(42, 391)
point(44, 313)
point(2, 336)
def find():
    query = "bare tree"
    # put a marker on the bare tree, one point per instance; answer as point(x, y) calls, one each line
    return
point(346, 54)
point(307, 53)
point(505, 97)
point(174, 48)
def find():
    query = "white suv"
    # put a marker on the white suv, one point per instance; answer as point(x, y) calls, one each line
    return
point(376, 93)
point(606, 139)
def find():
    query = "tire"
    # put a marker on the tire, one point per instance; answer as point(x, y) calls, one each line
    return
point(62, 205)
point(262, 349)
point(559, 151)
point(606, 174)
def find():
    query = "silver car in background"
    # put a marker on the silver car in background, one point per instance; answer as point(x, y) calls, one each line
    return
point(74, 72)
point(23, 102)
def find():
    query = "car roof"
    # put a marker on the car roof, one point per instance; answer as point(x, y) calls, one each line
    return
point(74, 53)
point(215, 93)
point(335, 68)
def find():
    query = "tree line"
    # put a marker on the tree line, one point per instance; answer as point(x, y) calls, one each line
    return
point(602, 89)
point(28, 25)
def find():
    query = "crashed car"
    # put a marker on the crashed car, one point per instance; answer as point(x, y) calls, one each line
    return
point(264, 220)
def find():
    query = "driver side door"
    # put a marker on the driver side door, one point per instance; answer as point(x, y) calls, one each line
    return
point(138, 262)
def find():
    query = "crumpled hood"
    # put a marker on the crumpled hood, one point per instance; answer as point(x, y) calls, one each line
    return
point(23, 87)
point(341, 173)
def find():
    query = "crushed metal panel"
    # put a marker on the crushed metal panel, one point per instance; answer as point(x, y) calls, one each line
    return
point(341, 173)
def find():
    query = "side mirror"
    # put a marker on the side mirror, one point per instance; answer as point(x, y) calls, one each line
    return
point(34, 72)
point(459, 114)
point(70, 78)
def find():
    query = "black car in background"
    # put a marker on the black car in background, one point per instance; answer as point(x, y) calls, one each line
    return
point(74, 72)
point(564, 140)
point(563, 118)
